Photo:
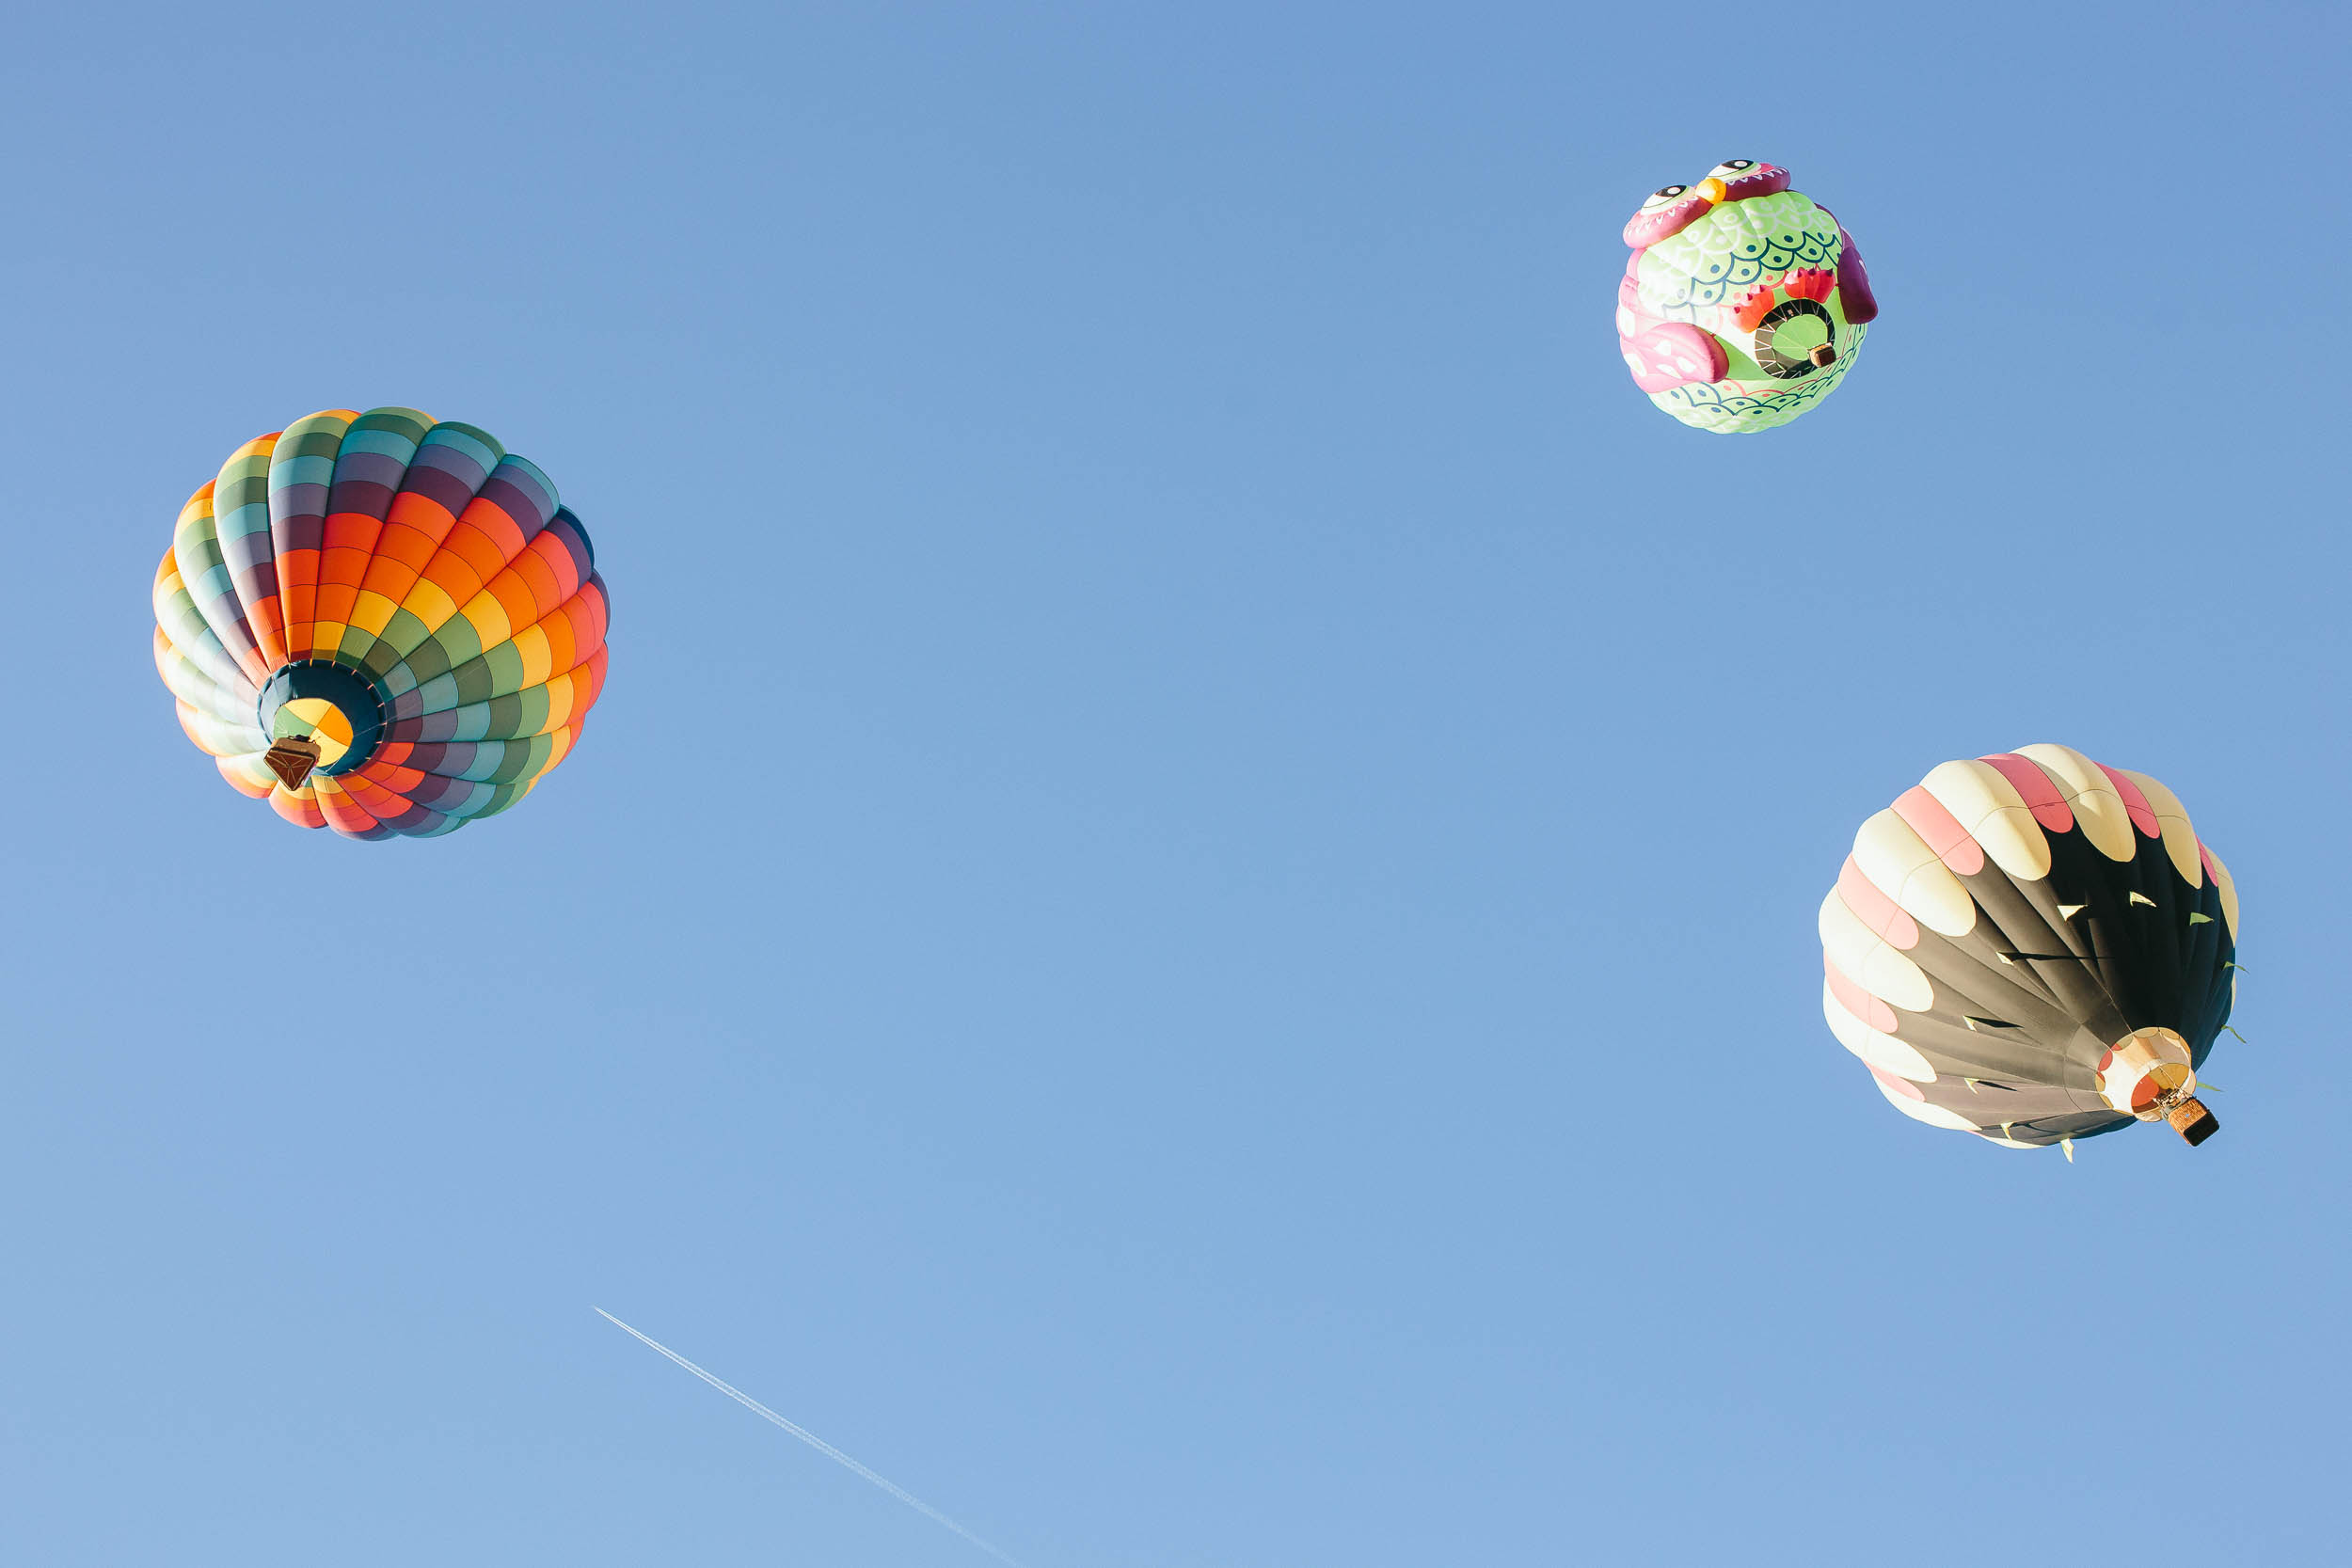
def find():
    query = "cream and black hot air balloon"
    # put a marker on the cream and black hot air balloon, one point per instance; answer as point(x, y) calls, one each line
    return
point(2033, 947)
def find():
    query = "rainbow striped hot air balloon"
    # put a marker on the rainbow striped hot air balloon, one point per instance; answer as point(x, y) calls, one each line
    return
point(382, 625)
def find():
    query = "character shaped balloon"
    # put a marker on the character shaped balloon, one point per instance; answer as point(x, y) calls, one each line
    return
point(2033, 947)
point(1743, 304)
point(380, 625)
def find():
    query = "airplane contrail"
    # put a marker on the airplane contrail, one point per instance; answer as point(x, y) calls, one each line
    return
point(812, 1440)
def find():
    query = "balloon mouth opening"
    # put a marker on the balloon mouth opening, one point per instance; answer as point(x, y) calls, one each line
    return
point(2151, 1075)
point(322, 717)
point(1790, 357)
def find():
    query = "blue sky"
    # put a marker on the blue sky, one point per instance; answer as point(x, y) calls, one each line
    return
point(1187, 922)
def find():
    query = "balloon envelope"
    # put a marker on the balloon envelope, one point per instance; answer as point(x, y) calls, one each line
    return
point(2032, 947)
point(379, 624)
point(1743, 304)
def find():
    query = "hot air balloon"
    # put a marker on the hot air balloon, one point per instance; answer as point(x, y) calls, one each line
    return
point(1743, 304)
point(2033, 947)
point(379, 624)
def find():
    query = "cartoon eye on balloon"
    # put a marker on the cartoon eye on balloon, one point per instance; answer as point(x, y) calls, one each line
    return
point(1743, 304)
point(2033, 947)
point(381, 624)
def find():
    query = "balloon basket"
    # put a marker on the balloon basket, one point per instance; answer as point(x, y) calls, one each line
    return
point(292, 760)
point(2193, 1122)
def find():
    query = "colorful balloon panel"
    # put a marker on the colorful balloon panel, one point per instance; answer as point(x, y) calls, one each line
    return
point(1743, 304)
point(379, 624)
point(2033, 947)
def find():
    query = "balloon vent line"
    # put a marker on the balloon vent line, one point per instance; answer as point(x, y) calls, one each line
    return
point(812, 1440)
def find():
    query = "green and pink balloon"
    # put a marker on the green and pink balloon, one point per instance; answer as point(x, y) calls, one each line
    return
point(1744, 304)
